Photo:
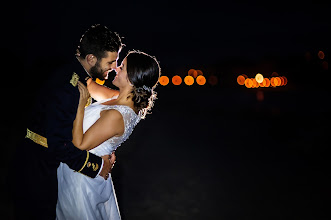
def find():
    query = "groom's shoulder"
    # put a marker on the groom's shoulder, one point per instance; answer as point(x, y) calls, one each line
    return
point(64, 76)
point(61, 82)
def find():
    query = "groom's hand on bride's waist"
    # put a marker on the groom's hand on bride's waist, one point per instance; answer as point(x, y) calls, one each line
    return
point(108, 163)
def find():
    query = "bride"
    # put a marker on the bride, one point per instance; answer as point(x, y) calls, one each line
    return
point(101, 128)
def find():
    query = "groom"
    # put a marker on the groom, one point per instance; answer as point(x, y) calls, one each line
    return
point(49, 132)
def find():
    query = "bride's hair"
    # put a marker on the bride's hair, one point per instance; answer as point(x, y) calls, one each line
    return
point(143, 73)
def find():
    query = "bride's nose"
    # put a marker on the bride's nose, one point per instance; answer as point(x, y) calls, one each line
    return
point(117, 69)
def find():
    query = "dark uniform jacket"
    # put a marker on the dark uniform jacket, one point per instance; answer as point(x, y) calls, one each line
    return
point(49, 142)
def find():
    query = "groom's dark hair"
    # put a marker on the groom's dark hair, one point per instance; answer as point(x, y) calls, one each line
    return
point(97, 40)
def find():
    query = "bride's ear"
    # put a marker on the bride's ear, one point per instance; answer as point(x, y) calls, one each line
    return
point(91, 59)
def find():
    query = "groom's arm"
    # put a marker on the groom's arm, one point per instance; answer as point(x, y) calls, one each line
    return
point(61, 112)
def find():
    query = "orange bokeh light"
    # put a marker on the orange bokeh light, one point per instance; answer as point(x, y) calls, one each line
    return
point(259, 78)
point(199, 73)
point(176, 80)
point(285, 80)
point(260, 95)
point(321, 55)
point(325, 65)
point(248, 83)
point(164, 80)
point(255, 83)
point(282, 81)
point(201, 80)
point(273, 81)
point(267, 82)
point(189, 80)
point(278, 82)
point(241, 80)
point(263, 83)
point(212, 80)
point(193, 72)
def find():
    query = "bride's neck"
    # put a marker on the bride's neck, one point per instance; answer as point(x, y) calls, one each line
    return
point(124, 97)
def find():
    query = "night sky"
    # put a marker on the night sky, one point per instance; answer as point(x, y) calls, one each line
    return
point(206, 152)
point(181, 34)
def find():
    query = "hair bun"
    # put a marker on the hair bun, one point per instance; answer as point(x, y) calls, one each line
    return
point(143, 98)
point(146, 88)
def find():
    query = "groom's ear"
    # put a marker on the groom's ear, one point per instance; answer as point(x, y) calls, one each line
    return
point(91, 59)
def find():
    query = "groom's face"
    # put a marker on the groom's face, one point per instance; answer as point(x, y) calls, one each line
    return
point(104, 65)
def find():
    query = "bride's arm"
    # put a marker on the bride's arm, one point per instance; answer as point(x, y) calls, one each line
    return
point(99, 92)
point(109, 124)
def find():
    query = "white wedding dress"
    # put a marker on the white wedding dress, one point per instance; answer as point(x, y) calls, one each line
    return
point(84, 198)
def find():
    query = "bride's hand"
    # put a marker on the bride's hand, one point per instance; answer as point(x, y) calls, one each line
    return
point(84, 94)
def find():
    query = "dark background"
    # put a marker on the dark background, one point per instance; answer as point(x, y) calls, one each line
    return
point(206, 152)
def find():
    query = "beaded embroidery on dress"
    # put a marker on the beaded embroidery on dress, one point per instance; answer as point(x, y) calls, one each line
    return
point(81, 197)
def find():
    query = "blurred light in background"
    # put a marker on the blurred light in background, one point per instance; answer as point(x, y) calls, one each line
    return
point(193, 73)
point(241, 80)
point(213, 80)
point(201, 80)
point(259, 78)
point(248, 83)
point(261, 81)
point(189, 80)
point(321, 55)
point(199, 72)
point(260, 95)
point(176, 80)
point(267, 82)
point(285, 80)
point(255, 83)
point(325, 65)
point(164, 80)
point(272, 82)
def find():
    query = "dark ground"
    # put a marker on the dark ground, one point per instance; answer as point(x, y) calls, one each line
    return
point(218, 153)
point(203, 158)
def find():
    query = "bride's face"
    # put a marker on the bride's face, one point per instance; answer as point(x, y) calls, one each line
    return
point(121, 78)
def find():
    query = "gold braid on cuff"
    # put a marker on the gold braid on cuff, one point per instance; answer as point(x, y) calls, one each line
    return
point(36, 138)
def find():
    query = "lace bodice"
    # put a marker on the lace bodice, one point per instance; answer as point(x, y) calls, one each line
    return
point(92, 114)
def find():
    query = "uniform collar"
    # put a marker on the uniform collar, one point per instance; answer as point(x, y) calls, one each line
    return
point(80, 71)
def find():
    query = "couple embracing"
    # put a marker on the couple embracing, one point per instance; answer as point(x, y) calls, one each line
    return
point(66, 157)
